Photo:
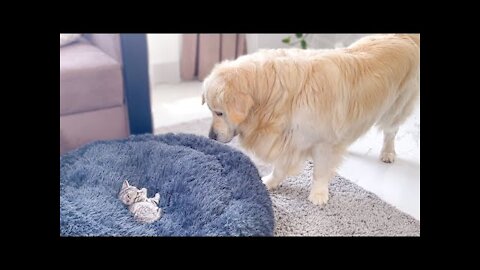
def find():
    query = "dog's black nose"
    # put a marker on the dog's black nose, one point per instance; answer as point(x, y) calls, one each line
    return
point(212, 135)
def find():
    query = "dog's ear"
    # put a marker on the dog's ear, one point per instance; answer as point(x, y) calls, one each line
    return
point(237, 106)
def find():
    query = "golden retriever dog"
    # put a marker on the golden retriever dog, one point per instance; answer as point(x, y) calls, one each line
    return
point(289, 105)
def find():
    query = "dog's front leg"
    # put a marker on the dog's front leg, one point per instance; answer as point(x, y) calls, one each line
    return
point(388, 150)
point(326, 158)
point(275, 178)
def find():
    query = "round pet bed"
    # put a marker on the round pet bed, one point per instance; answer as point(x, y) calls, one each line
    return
point(206, 188)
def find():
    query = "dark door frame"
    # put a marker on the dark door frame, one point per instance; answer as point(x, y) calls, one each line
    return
point(136, 82)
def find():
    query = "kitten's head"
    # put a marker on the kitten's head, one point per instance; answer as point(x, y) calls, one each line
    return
point(129, 194)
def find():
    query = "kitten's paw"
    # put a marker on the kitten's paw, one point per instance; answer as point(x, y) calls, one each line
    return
point(387, 157)
point(318, 197)
point(156, 199)
point(270, 182)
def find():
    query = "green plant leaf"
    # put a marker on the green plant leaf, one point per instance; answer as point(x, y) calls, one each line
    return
point(298, 35)
point(303, 43)
point(286, 40)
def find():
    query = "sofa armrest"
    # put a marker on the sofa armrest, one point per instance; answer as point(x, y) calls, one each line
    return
point(109, 43)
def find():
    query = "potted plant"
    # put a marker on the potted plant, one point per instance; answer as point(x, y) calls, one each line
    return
point(300, 39)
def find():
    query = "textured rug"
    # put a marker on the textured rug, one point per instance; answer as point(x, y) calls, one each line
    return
point(351, 210)
point(206, 188)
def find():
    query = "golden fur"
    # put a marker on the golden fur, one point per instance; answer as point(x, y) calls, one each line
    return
point(288, 105)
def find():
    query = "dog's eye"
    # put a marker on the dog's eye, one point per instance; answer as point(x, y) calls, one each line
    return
point(218, 113)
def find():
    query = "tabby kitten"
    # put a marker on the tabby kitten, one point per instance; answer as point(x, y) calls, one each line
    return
point(144, 209)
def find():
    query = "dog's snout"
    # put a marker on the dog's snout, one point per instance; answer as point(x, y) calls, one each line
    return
point(212, 135)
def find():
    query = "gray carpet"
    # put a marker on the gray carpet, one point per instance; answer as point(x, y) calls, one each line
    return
point(351, 210)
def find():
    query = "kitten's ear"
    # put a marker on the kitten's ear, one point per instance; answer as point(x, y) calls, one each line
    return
point(125, 184)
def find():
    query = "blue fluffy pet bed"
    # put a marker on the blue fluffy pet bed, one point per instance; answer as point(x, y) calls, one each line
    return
point(206, 188)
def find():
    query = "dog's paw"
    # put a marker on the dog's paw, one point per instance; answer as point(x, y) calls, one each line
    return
point(387, 157)
point(318, 198)
point(270, 182)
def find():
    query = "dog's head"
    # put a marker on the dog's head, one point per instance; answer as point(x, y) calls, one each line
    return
point(224, 92)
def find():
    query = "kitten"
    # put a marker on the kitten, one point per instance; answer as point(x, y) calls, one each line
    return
point(144, 209)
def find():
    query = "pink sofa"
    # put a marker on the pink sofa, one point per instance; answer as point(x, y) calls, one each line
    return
point(92, 98)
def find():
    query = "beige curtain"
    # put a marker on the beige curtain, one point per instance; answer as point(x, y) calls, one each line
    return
point(200, 52)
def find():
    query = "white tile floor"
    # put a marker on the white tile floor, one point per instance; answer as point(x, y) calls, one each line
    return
point(397, 183)
point(177, 103)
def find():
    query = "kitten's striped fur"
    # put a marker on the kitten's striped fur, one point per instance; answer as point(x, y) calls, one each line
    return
point(144, 209)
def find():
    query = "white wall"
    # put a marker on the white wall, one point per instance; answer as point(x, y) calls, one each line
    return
point(164, 53)
point(164, 50)
point(270, 41)
point(265, 41)
point(164, 57)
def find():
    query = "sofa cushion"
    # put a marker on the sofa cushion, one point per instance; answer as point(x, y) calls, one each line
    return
point(66, 39)
point(108, 43)
point(89, 79)
point(81, 128)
